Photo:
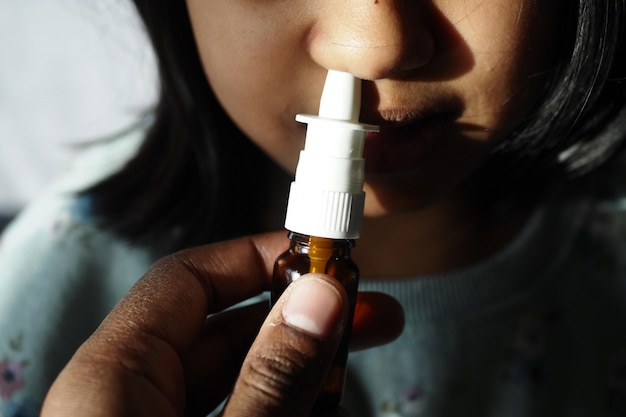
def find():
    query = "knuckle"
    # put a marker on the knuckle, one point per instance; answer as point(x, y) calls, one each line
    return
point(287, 378)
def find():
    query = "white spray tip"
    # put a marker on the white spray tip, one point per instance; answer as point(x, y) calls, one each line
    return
point(336, 130)
point(341, 97)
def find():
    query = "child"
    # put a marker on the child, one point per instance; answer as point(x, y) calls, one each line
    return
point(510, 272)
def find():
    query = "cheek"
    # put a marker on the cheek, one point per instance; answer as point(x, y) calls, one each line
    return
point(249, 64)
point(513, 56)
point(227, 52)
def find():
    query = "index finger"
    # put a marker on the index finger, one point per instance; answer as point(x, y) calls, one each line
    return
point(175, 296)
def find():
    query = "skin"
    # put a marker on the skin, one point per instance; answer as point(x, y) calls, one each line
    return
point(474, 66)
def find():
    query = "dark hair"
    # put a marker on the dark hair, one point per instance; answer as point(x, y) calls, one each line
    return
point(196, 190)
point(211, 172)
point(582, 120)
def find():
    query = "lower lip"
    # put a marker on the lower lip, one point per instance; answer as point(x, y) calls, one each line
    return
point(396, 150)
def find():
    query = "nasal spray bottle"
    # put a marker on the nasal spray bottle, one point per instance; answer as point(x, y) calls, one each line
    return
point(325, 207)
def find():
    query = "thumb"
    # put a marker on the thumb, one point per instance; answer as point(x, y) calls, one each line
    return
point(286, 364)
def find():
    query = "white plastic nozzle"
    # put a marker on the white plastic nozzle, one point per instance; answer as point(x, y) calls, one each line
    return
point(341, 97)
point(327, 198)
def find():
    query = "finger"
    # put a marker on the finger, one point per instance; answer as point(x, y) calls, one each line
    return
point(136, 350)
point(228, 336)
point(378, 319)
point(213, 361)
point(179, 291)
point(288, 360)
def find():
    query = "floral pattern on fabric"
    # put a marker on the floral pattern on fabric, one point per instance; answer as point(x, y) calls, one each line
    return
point(13, 382)
point(11, 378)
point(412, 403)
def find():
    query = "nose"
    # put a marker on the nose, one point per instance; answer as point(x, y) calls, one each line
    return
point(372, 39)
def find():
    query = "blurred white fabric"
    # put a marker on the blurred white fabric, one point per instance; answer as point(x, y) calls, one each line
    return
point(71, 71)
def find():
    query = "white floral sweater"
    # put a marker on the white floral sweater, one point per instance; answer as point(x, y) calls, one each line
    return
point(538, 330)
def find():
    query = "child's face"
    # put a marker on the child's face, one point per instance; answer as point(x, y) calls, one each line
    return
point(447, 79)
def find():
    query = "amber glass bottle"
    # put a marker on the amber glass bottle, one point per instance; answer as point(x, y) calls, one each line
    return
point(332, 257)
point(326, 205)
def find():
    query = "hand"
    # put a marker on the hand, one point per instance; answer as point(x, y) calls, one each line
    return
point(157, 354)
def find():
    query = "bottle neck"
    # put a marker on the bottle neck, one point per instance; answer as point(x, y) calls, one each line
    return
point(307, 241)
point(320, 249)
point(302, 243)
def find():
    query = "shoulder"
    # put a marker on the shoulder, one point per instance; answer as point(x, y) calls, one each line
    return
point(59, 275)
point(56, 232)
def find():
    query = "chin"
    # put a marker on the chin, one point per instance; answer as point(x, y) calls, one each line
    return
point(410, 193)
point(383, 203)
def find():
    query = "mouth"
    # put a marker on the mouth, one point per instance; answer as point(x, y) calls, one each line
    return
point(404, 141)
